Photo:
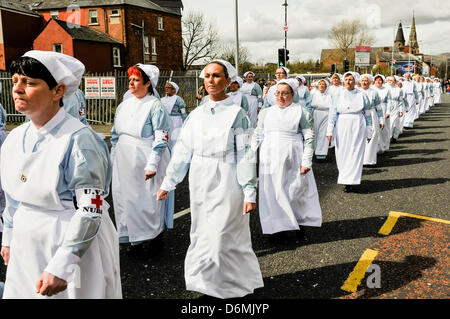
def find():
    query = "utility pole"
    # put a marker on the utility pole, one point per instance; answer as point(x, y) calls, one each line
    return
point(237, 36)
point(285, 5)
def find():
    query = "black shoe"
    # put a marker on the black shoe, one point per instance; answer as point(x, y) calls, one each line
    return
point(136, 251)
point(279, 238)
point(155, 246)
point(301, 233)
point(349, 189)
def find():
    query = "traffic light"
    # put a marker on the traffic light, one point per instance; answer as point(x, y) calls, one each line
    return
point(281, 60)
point(346, 66)
point(287, 55)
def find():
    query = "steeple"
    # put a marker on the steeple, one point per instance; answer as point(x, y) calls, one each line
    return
point(399, 41)
point(413, 44)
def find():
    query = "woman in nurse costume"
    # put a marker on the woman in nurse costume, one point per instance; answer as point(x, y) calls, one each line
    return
point(270, 98)
point(238, 97)
point(437, 91)
point(370, 154)
point(350, 114)
point(252, 91)
point(383, 93)
point(396, 107)
point(3, 135)
point(288, 196)
point(176, 108)
point(302, 91)
point(214, 146)
point(319, 103)
point(58, 239)
point(140, 138)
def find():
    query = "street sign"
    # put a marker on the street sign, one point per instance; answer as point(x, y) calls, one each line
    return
point(100, 87)
point(362, 56)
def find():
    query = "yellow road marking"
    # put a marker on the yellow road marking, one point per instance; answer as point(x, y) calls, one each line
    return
point(393, 217)
point(358, 273)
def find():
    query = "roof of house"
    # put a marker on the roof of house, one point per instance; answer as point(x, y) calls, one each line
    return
point(17, 6)
point(78, 32)
point(174, 5)
point(374, 52)
point(59, 4)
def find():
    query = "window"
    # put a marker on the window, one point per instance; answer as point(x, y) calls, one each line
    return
point(153, 46)
point(54, 14)
point(57, 47)
point(160, 23)
point(146, 46)
point(93, 19)
point(114, 13)
point(116, 57)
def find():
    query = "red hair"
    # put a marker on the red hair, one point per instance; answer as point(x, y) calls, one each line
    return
point(135, 70)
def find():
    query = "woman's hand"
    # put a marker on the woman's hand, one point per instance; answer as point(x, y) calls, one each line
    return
point(248, 207)
point(5, 255)
point(400, 114)
point(149, 174)
point(49, 285)
point(381, 126)
point(329, 138)
point(162, 195)
point(387, 116)
point(304, 170)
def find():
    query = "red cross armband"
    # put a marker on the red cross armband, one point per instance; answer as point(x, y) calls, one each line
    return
point(90, 200)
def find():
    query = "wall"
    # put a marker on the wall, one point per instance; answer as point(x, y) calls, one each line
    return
point(53, 33)
point(96, 57)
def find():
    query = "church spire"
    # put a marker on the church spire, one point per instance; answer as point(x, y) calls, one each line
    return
point(413, 44)
point(399, 41)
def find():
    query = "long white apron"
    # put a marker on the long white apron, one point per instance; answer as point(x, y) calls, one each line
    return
point(3, 136)
point(137, 212)
point(176, 122)
point(320, 130)
point(437, 94)
point(41, 220)
point(350, 141)
point(220, 261)
point(287, 198)
point(411, 115)
point(252, 100)
point(370, 153)
point(385, 133)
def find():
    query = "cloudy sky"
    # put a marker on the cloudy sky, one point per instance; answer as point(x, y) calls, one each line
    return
point(261, 23)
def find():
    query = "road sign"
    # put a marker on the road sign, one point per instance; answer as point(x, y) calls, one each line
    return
point(362, 56)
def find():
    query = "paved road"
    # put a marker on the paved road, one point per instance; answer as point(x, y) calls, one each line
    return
point(413, 177)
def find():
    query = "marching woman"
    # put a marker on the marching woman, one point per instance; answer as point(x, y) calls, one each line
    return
point(428, 94)
point(396, 107)
point(410, 90)
point(238, 97)
point(335, 87)
point(253, 93)
point(350, 114)
point(176, 108)
point(214, 147)
point(370, 154)
point(140, 139)
point(437, 91)
point(319, 103)
point(270, 98)
point(3, 135)
point(58, 239)
point(288, 196)
point(383, 93)
point(303, 91)
point(421, 93)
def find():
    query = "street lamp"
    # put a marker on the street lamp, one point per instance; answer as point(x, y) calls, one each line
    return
point(237, 37)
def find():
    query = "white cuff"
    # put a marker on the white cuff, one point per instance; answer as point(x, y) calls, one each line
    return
point(63, 263)
point(250, 195)
point(381, 120)
point(330, 129)
point(7, 236)
point(369, 131)
point(167, 185)
point(153, 162)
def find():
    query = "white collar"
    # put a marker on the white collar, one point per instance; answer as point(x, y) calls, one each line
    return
point(51, 124)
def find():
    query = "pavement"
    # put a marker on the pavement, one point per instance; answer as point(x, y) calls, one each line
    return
point(408, 262)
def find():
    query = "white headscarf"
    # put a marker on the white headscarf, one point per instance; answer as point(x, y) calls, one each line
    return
point(302, 78)
point(286, 70)
point(368, 76)
point(238, 79)
point(381, 76)
point(293, 83)
point(247, 73)
point(391, 77)
point(64, 68)
point(175, 86)
point(353, 74)
point(327, 82)
point(151, 71)
point(230, 69)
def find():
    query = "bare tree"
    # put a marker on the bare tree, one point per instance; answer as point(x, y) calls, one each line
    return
point(200, 39)
point(228, 53)
point(347, 34)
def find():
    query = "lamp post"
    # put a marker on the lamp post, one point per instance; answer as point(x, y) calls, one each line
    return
point(237, 36)
point(285, 5)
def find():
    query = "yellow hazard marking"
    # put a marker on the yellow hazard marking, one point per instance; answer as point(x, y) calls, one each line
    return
point(393, 217)
point(358, 273)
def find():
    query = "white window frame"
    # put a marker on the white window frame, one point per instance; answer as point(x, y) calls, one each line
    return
point(111, 14)
point(57, 44)
point(146, 45)
point(116, 56)
point(153, 46)
point(54, 13)
point(160, 23)
point(91, 17)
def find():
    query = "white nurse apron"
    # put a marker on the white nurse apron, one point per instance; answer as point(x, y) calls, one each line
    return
point(287, 198)
point(176, 122)
point(252, 100)
point(41, 220)
point(139, 216)
point(220, 261)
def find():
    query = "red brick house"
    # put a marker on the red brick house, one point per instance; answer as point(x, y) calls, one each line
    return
point(18, 27)
point(148, 32)
point(94, 48)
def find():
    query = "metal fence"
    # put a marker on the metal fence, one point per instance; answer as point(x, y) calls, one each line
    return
point(101, 111)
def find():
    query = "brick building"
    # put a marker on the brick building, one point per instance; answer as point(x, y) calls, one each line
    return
point(148, 32)
point(18, 27)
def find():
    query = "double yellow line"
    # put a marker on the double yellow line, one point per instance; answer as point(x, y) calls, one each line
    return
point(358, 273)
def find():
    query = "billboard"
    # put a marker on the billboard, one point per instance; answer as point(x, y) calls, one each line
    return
point(362, 56)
